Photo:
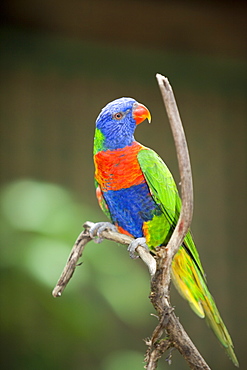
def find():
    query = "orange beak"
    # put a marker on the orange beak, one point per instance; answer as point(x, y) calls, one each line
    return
point(140, 113)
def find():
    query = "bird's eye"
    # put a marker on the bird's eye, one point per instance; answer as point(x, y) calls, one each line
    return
point(118, 116)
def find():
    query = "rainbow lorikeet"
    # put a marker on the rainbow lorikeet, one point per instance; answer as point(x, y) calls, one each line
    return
point(136, 190)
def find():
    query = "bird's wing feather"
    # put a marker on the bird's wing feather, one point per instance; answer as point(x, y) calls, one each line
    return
point(164, 191)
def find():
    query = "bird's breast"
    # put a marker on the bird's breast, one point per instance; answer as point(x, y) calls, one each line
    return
point(118, 169)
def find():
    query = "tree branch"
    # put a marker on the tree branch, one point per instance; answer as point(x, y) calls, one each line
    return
point(175, 335)
point(78, 249)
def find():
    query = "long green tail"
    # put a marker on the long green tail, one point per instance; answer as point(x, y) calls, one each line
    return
point(190, 283)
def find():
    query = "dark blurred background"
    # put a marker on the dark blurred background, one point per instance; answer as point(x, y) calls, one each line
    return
point(61, 62)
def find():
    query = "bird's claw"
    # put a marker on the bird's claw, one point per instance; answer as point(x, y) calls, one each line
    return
point(133, 245)
point(98, 228)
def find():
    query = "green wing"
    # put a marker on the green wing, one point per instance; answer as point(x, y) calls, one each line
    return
point(164, 191)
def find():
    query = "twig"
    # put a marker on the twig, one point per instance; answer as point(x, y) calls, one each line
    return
point(71, 263)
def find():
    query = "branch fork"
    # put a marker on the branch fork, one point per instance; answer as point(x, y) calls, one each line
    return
point(160, 265)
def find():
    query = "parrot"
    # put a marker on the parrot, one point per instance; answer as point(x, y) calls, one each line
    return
point(137, 192)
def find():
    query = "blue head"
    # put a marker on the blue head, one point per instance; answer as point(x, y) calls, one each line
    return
point(117, 121)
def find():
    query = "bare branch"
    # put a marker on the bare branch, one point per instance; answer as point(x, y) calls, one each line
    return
point(78, 249)
point(71, 263)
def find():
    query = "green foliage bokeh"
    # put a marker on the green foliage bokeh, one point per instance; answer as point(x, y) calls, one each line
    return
point(39, 223)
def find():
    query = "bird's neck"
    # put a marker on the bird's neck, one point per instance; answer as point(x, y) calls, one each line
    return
point(102, 143)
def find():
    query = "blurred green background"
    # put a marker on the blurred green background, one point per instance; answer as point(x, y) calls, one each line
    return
point(61, 62)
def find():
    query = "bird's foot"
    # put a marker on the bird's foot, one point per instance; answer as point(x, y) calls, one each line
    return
point(133, 245)
point(98, 228)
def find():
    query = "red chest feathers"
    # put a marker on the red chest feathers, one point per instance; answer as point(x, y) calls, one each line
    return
point(118, 169)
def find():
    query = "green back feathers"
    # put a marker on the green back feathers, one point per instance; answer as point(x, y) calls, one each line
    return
point(164, 190)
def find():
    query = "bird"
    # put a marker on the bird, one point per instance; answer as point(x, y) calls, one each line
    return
point(137, 192)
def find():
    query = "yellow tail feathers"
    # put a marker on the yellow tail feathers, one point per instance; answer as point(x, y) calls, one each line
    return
point(192, 286)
